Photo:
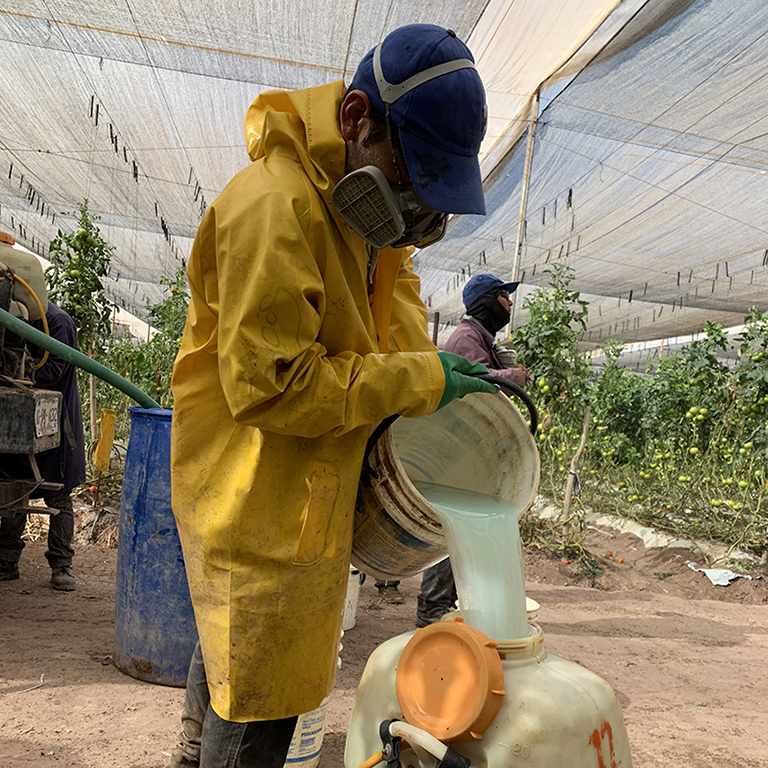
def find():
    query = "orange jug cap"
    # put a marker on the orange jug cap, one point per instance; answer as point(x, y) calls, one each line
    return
point(450, 681)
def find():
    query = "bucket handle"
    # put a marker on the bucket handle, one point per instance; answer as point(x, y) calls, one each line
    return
point(515, 389)
point(504, 384)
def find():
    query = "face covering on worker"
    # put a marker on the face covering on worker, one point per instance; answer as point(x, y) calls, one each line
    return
point(383, 213)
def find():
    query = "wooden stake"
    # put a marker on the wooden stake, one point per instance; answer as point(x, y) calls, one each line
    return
point(574, 464)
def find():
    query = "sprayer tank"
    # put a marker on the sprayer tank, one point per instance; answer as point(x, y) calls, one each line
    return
point(554, 713)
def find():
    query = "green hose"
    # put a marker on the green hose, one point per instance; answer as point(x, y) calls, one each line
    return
point(42, 340)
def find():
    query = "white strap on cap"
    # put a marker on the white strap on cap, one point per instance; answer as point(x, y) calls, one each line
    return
point(390, 92)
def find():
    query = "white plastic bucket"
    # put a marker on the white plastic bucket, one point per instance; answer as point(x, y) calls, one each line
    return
point(480, 443)
point(304, 751)
point(353, 597)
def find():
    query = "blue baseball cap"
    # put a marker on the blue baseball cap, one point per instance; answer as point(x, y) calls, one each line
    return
point(480, 284)
point(427, 78)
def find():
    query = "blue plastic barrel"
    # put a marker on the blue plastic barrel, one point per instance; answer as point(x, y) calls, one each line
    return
point(155, 630)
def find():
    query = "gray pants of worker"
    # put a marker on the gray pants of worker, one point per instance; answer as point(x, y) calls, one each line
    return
point(61, 530)
point(212, 742)
point(438, 593)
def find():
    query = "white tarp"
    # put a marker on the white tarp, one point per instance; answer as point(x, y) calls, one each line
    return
point(647, 173)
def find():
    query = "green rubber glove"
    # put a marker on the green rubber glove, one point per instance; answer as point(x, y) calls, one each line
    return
point(457, 382)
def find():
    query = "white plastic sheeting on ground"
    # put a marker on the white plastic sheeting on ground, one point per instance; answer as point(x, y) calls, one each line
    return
point(647, 172)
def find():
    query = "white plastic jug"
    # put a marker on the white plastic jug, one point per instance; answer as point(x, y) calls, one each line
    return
point(304, 750)
point(553, 713)
point(353, 597)
point(27, 267)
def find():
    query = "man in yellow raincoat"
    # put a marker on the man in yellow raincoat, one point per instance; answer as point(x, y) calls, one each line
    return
point(305, 329)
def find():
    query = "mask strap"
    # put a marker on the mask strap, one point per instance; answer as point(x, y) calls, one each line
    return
point(391, 92)
point(388, 123)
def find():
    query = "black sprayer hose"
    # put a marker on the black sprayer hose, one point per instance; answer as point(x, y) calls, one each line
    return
point(514, 389)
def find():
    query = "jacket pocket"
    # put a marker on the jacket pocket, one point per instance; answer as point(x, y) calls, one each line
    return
point(323, 490)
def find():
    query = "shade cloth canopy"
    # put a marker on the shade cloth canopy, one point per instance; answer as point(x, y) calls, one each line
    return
point(646, 172)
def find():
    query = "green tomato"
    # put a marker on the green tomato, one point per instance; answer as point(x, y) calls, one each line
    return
point(74, 273)
point(693, 450)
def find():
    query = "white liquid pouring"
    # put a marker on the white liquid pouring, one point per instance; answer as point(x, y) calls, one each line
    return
point(486, 557)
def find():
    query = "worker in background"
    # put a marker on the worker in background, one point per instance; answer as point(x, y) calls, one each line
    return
point(65, 464)
point(389, 591)
point(305, 329)
point(488, 305)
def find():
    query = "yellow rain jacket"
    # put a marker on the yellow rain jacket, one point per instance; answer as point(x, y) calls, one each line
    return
point(289, 356)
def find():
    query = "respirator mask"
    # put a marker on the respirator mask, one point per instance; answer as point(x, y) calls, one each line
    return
point(385, 214)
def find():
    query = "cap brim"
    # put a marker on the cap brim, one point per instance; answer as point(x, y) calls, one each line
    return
point(511, 287)
point(448, 182)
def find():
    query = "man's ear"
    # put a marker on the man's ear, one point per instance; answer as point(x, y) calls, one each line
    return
point(355, 115)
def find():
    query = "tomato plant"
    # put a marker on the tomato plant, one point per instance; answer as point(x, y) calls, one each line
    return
point(79, 262)
point(149, 364)
point(683, 447)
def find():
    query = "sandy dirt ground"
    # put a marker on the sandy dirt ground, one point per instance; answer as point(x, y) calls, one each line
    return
point(688, 660)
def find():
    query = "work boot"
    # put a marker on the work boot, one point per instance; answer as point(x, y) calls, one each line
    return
point(62, 579)
point(391, 594)
point(425, 621)
point(182, 759)
point(8, 571)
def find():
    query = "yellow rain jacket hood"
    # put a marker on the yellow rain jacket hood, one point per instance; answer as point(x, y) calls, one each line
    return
point(291, 352)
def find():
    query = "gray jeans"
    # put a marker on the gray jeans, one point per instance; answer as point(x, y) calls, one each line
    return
point(438, 593)
point(60, 532)
point(219, 743)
